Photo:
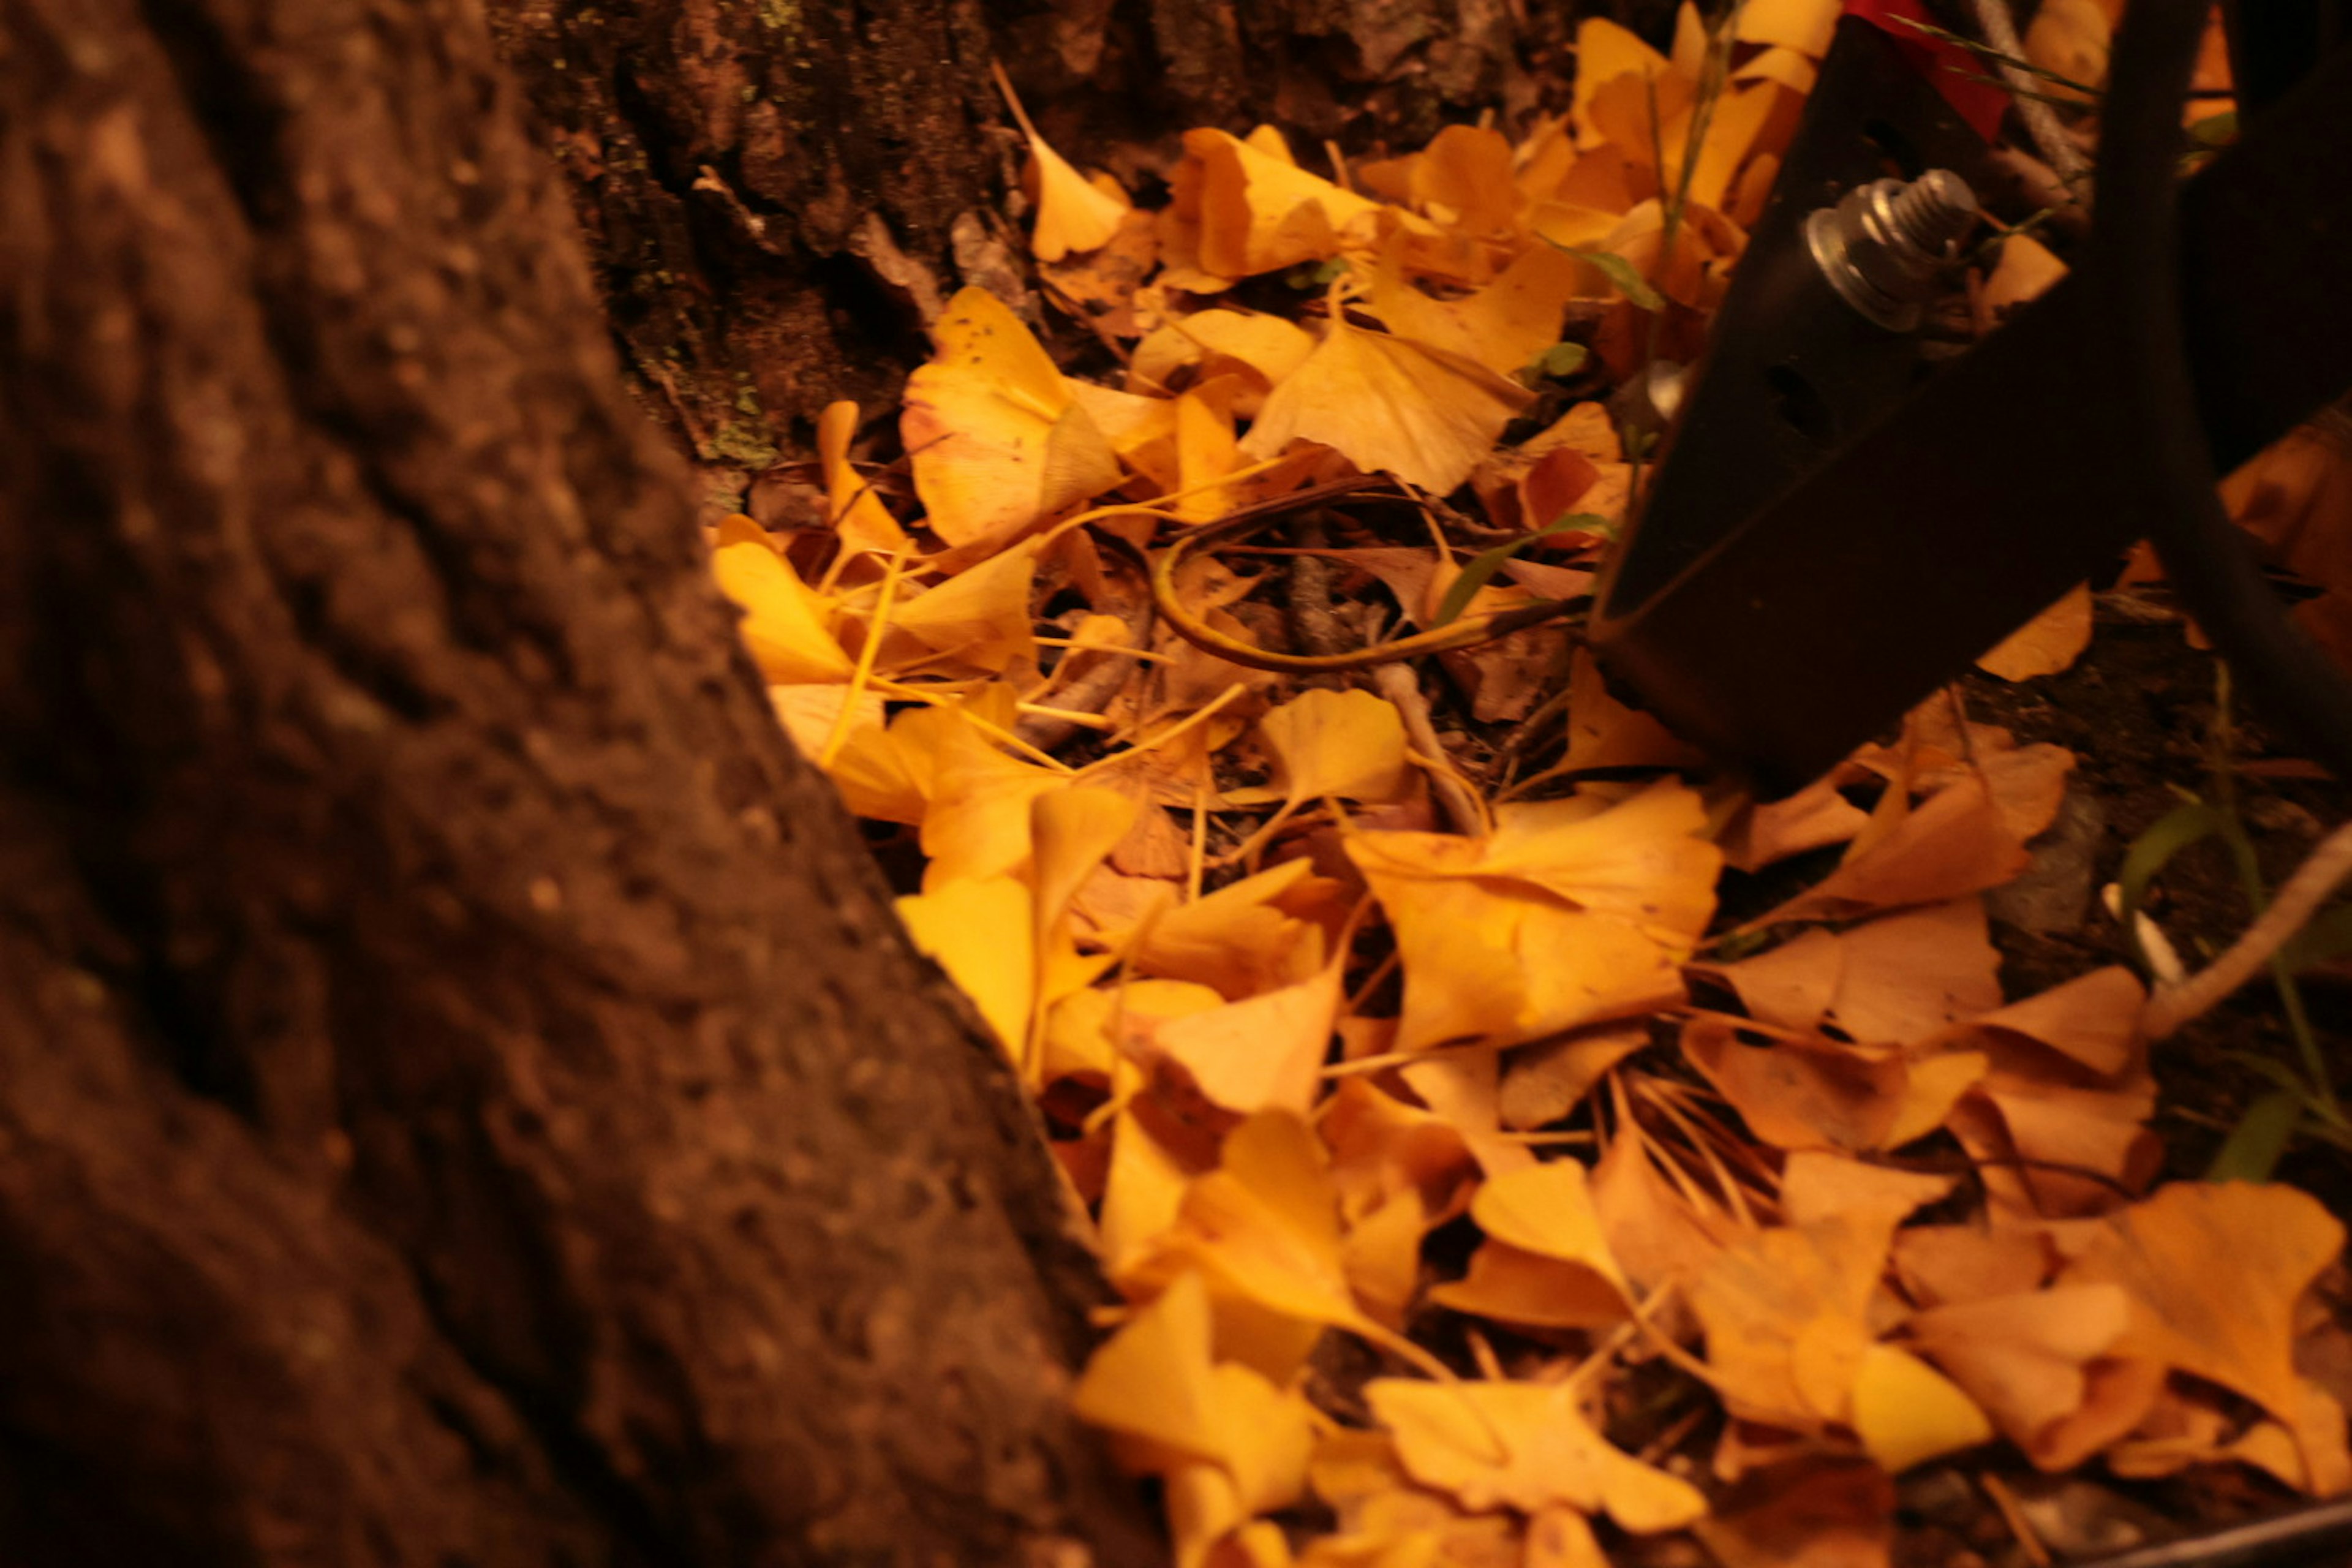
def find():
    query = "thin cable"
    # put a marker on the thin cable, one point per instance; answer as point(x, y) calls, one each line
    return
point(2133, 260)
point(2057, 148)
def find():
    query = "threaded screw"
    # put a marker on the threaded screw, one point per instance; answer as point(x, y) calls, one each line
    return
point(1884, 246)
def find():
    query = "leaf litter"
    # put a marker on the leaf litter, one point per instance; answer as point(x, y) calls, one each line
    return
point(1355, 1021)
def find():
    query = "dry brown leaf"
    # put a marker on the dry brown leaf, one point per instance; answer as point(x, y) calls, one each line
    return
point(1829, 1514)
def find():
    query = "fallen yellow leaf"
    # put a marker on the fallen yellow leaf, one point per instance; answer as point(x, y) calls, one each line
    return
point(1906, 1412)
point(1388, 404)
point(1258, 212)
point(2047, 643)
point(995, 438)
point(785, 624)
point(1549, 1456)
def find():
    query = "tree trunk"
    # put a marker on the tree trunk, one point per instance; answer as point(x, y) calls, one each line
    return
point(463, 1096)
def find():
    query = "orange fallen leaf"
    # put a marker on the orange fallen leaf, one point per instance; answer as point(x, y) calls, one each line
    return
point(1549, 1456)
point(1386, 402)
point(1906, 1412)
point(1262, 1053)
point(1813, 818)
point(1258, 212)
point(2215, 1271)
point(980, 616)
point(857, 514)
point(997, 441)
point(1504, 326)
point(2042, 1365)
point(1262, 1229)
point(1804, 26)
point(1570, 912)
point(1786, 1312)
point(1074, 212)
point(785, 625)
point(979, 931)
point(1805, 1090)
point(1346, 744)
point(2025, 271)
point(1545, 1259)
point(2048, 643)
point(1232, 1444)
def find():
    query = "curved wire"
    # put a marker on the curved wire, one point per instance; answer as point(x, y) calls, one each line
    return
point(1466, 633)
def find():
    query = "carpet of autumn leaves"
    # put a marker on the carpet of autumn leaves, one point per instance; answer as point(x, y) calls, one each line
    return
point(1298, 981)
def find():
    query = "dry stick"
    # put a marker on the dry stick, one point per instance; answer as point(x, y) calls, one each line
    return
point(2321, 872)
point(1092, 692)
point(1398, 683)
point(2040, 122)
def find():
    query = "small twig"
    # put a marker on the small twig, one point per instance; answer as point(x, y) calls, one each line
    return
point(2014, 1517)
point(1403, 688)
point(1092, 692)
point(2321, 871)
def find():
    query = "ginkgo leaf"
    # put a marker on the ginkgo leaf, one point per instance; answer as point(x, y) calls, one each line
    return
point(1530, 1289)
point(1608, 54)
point(1802, 1091)
point(977, 824)
point(1907, 1413)
point(1264, 1230)
point(1072, 829)
point(1156, 1385)
point(995, 436)
point(2042, 1365)
point(1547, 1210)
point(1073, 214)
point(1259, 212)
point(2048, 643)
point(1246, 937)
point(1786, 1313)
point(1086, 1031)
point(1503, 326)
point(857, 515)
point(1264, 1052)
point(1549, 1456)
point(2026, 271)
point(1387, 403)
point(2217, 1269)
point(1206, 450)
point(1804, 26)
point(979, 929)
point(785, 622)
point(1269, 346)
point(1381, 1254)
point(810, 712)
point(1570, 912)
point(980, 616)
point(1819, 1185)
point(1345, 743)
point(1143, 1190)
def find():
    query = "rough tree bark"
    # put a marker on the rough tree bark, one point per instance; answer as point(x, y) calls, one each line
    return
point(462, 1099)
point(770, 188)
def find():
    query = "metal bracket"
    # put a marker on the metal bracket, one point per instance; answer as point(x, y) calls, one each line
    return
point(1836, 527)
